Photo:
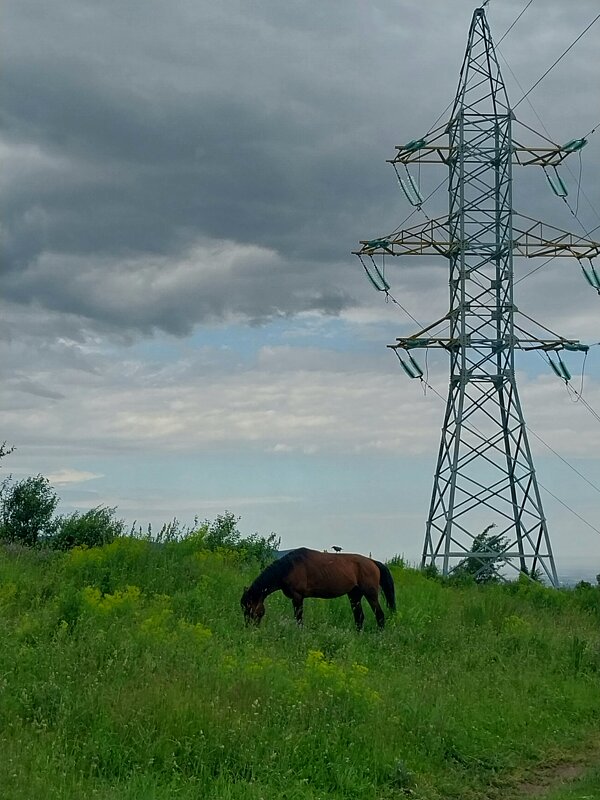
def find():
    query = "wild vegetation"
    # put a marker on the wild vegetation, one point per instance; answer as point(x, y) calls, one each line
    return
point(126, 672)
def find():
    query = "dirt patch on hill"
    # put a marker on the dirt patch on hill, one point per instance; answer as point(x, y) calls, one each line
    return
point(551, 778)
point(542, 780)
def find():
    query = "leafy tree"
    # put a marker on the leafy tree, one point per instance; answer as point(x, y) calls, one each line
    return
point(94, 528)
point(484, 568)
point(26, 509)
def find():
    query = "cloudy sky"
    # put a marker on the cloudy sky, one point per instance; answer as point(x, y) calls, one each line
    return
point(183, 329)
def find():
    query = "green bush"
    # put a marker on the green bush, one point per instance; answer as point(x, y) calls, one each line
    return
point(96, 527)
point(222, 535)
point(587, 596)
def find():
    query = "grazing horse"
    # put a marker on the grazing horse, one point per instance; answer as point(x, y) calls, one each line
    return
point(309, 573)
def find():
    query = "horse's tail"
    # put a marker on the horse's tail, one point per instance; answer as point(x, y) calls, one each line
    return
point(387, 585)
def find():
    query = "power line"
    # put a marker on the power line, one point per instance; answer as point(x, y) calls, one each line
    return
point(579, 398)
point(562, 502)
point(561, 56)
point(594, 229)
point(389, 296)
point(514, 23)
point(593, 130)
point(535, 269)
point(564, 460)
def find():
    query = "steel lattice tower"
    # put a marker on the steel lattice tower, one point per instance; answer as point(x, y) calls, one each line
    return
point(484, 470)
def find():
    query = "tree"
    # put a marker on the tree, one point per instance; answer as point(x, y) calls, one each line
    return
point(484, 568)
point(26, 509)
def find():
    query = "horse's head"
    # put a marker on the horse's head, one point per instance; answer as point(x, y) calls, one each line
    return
point(253, 607)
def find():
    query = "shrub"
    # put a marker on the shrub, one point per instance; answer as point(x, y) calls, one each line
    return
point(431, 571)
point(96, 527)
point(223, 535)
point(587, 596)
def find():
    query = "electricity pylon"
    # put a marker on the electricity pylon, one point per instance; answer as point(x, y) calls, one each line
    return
point(484, 472)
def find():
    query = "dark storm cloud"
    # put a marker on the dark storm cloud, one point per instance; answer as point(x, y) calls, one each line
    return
point(168, 165)
point(213, 281)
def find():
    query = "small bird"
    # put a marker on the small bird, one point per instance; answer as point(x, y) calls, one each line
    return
point(336, 548)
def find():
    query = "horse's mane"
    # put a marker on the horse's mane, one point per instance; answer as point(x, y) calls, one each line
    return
point(276, 571)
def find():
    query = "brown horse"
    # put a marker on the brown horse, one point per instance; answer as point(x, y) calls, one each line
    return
point(309, 573)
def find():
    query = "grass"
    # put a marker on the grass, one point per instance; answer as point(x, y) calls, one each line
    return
point(586, 788)
point(126, 672)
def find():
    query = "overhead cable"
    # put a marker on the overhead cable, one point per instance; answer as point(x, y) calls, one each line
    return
point(562, 502)
point(515, 22)
point(587, 135)
point(561, 56)
point(564, 460)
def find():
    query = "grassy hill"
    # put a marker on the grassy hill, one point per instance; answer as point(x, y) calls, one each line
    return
point(126, 672)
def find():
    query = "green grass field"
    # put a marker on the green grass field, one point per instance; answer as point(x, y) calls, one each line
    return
point(126, 672)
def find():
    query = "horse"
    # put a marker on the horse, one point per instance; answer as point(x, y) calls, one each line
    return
point(309, 573)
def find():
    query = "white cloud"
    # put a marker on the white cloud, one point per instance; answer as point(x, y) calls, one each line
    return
point(287, 399)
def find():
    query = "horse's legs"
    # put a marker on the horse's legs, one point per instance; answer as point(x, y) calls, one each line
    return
point(355, 596)
point(297, 602)
point(372, 596)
